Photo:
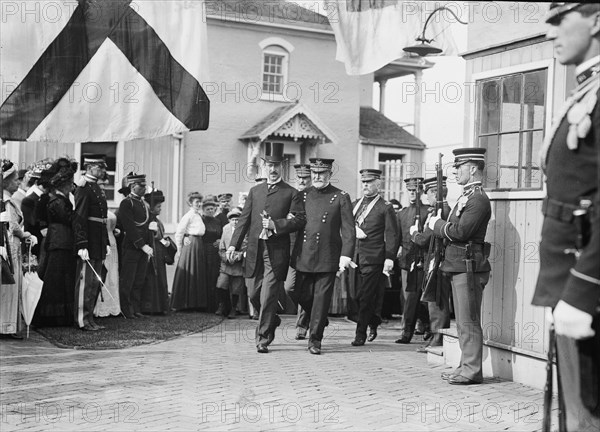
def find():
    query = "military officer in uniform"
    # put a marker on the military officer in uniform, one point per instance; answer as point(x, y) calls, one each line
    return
point(91, 239)
point(466, 261)
point(377, 243)
point(411, 260)
point(325, 246)
point(439, 314)
point(134, 216)
point(303, 181)
point(265, 218)
point(569, 279)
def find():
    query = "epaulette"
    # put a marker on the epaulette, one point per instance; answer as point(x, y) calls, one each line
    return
point(343, 193)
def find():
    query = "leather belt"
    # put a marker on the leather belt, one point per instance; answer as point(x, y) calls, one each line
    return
point(99, 220)
point(558, 210)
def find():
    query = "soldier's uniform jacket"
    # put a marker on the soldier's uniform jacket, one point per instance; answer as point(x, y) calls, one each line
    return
point(381, 229)
point(467, 222)
point(422, 239)
point(329, 231)
point(134, 215)
point(406, 219)
point(572, 161)
point(89, 220)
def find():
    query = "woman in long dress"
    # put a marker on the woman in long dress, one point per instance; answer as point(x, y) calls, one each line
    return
point(108, 302)
point(10, 294)
point(189, 283)
point(56, 304)
point(155, 296)
point(210, 239)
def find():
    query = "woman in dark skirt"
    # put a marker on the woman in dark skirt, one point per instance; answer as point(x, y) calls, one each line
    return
point(212, 235)
point(56, 304)
point(189, 283)
point(155, 296)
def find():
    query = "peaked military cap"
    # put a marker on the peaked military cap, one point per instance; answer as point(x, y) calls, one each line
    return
point(94, 159)
point(468, 154)
point(234, 212)
point(370, 174)
point(155, 197)
point(225, 197)
point(320, 165)
point(133, 178)
point(414, 182)
point(431, 182)
point(273, 152)
point(302, 170)
point(558, 9)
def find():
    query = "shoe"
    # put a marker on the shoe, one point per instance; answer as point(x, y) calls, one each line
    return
point(372, 335)
point(314, 350)
point(427, 335)
point(405, 339)
point(262, 348)
point(447, 375)
point(140, 315)
point(423, 349)
point(461, 380)
point(300, 333)
point(88, 327)
point(358, 342)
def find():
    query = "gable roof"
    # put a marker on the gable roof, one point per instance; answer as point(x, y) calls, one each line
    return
point(377, 129)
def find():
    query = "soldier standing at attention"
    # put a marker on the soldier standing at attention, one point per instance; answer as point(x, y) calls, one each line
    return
point(91, 239)
point(377, 243)
point(569, 279)
point(325, 246)
point(466, 262)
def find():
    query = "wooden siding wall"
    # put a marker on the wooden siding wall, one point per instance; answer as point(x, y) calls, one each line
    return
point(508, 317)
point(153, 157)
point(30, 152)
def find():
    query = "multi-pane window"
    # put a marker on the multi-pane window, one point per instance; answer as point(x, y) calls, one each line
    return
point(273, 73)
point(109, 149)
point(510, 125)
point(392, 175)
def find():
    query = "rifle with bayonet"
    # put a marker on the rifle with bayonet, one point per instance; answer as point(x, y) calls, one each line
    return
point(432, 283)
point(415, 255)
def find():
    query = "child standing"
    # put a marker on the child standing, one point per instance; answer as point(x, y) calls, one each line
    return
point(231, 281)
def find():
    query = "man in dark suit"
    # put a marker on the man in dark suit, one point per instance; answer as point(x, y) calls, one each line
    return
point(569, 279)
point(411, 260)
point(377, 242)
point(325, 246)
point(466, 261)
point(265, 220)
point(439, 314)
point(134, 217)
point(91, 239)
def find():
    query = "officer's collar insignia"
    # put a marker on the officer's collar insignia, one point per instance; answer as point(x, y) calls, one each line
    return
point(588, 73)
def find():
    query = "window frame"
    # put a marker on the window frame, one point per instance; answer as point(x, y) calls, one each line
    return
point(403, 157)
point(515, 194)
point(283, 52)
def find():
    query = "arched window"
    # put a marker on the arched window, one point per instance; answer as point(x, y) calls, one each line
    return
point(275, 61)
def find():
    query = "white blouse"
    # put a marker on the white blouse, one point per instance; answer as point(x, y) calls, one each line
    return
point(191, 224)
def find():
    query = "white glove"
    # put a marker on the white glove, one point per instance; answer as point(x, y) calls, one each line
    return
point(116, 232)
point(107, 250)
point(44, 232)
point(4, 217)
point(415, 228)
point(83, 254)
point(572, 322)
point(186, 241)
point(164, 242)
point(153, 226)
point(148, 250)
point(230, 254)
point(360, 234)
point(345, 262)
point(3, 253)
point(388, 267)
point(434, 219)
point(268, 223)
point(32, 240)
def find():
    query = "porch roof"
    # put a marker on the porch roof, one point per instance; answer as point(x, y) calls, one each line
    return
point(377, 129)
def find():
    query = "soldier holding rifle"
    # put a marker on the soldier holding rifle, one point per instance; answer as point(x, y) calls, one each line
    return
point(569, 280)
point(466, 261)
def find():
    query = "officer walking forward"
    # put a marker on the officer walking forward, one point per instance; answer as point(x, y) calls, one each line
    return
point(569, 279)
point(91, 239)
point(377, 242)
point(265, 220)
point(466, 261)
point(325, 246)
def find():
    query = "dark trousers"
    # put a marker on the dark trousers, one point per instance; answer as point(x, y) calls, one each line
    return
point(440, 316)
point(467, 308)
point(131, 280)
point(413, 307)
point(370, 281)
point(303, 317)
point(313, 292)
point(266, 297)
point(87, 289)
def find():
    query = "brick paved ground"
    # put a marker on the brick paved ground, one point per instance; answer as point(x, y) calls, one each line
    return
point(217, 381)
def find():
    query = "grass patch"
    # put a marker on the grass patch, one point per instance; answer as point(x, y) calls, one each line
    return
point(122, 333)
